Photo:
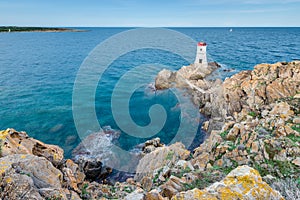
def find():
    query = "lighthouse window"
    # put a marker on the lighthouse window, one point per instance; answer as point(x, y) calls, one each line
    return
point(200, 49)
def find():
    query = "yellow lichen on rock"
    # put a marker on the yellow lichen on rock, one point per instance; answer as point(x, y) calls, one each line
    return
point(243, 182)
point(3, 134)
point(194, 194)
point(227, 193)
point(8, 180)
point(20, 143)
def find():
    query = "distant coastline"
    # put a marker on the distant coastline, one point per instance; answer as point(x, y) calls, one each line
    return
point(37, 29)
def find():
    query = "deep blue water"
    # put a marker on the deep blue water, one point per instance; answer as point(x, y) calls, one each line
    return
point(38, 70)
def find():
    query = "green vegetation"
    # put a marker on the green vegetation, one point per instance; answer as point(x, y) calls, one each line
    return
point(219, 156)
point(272, 151)
point(30, 29)
point(128, 189)
point(84, 192)
point(232, 146)
point(182, 172)
point(262, 171)
point(285, 168)
point(294, 138)
point(227, 170)
point(224, 134)
point(170, 155)
point(155, 179)
point(191, 156)
point(204, 180)
point(113, 189)
point(196, 184)
point(248, 149)
point(252, 114)
point(23, 173)
point(296, 128)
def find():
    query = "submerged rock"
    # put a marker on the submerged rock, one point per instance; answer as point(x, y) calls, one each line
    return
point(98, 156)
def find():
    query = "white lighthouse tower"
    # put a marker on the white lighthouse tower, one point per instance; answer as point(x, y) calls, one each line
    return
point(201, 54)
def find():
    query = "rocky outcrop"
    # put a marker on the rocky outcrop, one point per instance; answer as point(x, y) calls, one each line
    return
point(14, 142)
point(268, 141)
point(242, 183)
point(246, 90)
point(161, 157)
point(30, 169)
point(73, 175)
point(151, 145)
point(188, 76)
point(262, 86)
point(25, 176)
point(254, 121)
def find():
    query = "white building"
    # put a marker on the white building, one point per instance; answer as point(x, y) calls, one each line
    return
point(201, 54)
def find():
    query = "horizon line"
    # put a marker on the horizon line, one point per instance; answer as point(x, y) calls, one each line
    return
point(81, 26)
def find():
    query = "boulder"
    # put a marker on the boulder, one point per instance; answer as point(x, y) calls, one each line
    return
point(185, 77)
point(283, 110)
point(147, 183)
point(91, 167)
point(153, 195)
point(151, 145)
point(25, 176)
point(138, 194)
point(159, 158)
point(15, 142)
point(73, 176)
point(173, 186)
point(164, 79)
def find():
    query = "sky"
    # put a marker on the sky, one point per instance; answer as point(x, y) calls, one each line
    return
point(150, 13)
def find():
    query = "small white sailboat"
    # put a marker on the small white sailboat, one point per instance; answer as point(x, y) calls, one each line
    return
point(230, 30)
point(9, 30)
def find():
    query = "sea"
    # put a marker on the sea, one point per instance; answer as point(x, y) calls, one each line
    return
point(38, 71)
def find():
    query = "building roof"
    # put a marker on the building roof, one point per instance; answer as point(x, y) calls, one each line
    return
point(202, 44)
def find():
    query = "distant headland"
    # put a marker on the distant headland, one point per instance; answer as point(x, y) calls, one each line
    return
point(36, 29)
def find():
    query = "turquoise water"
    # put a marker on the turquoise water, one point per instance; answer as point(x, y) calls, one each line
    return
point(38, 70)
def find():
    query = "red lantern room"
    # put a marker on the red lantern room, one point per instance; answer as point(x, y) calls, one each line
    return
point(202, 44)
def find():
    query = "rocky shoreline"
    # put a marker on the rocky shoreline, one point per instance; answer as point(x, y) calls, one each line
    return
point(252, 150)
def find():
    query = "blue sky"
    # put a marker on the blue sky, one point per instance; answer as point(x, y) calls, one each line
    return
point(150, 13)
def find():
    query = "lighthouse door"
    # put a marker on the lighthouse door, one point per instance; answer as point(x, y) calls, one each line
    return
point(200, 61)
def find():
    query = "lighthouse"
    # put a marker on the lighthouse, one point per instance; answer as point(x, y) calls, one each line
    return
point(201, 54)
